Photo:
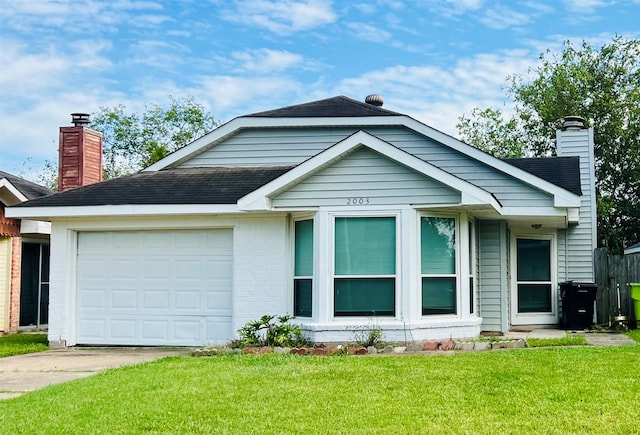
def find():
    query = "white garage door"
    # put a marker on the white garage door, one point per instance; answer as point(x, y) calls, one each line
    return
point(155, 287)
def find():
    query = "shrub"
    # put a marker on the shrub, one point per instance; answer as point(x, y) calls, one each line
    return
point(271, 331)
point(369, 336)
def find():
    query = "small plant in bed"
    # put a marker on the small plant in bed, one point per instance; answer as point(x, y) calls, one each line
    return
point(271, 331)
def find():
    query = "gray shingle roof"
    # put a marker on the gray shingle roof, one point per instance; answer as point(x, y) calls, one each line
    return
point(561, 171)
point(27, 188)
point(171, 186)
point(339, 106)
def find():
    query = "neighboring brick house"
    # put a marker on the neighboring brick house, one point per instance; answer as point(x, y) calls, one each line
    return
point(24, 258)
point(340, 212)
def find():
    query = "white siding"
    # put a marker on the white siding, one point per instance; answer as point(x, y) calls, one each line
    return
point(155, 287)
point(369, 178)
point(492, 275)
point(291, 146)
point(260, 265)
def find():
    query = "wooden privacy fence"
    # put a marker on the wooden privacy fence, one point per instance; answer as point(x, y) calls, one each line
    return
point(613, 272)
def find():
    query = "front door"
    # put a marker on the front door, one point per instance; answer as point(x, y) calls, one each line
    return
point(533, 290)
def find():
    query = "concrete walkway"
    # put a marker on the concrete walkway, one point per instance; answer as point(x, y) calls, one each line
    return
point(23, 373)
point(593, 338)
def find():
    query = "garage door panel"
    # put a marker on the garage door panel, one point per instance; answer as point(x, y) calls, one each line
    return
point(153, 300)
point(155, 287)
point(93, 299)
point(123, 329)
point(124, 269)
point(92, 268)
point(189, 269)
point(93, 329)
point(190, 300)
point(155, 269)
point(125, 299)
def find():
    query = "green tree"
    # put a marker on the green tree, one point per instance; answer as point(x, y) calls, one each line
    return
point(603, 86)
point(133, 141)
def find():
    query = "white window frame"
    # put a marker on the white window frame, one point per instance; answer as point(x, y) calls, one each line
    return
point(457, 275)
point(314, 302)
point(397, 215)
point(552, 317)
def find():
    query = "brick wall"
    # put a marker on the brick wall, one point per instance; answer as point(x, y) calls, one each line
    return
point(14, 298)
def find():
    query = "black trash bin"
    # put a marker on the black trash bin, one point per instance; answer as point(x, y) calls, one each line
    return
point(577, 304)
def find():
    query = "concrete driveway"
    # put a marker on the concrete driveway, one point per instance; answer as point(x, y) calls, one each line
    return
point(23, 373)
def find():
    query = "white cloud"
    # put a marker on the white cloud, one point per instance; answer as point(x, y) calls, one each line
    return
point(585, 6)
point(264, 60)
point(502, 18)
point(367, 32)
point(282, 17)
point(78, 17)
point(439, 95)
point(231, 96)
point(454, 7)
point(25, 73)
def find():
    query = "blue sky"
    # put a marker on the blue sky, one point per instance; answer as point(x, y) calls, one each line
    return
point(432, 59)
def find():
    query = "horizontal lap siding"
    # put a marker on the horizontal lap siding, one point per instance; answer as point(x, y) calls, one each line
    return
point(492, 265)
point(276, 147)
point(291, 146)
point(372, 179)
point(581, 237)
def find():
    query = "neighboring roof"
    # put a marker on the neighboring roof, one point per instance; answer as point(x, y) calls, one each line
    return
point(339, 106)
point(171, 186)
point(561, 171)
point(633, 249)
point(28, 189)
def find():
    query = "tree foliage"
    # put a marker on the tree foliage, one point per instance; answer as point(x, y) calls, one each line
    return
point(601, 85)
point(133, 141)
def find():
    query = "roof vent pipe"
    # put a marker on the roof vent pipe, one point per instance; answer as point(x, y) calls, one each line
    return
point(573, 123)
point(374, 100)
point(80, 119)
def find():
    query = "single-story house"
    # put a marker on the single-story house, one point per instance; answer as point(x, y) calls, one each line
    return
point(340, 212)
point(24, 259)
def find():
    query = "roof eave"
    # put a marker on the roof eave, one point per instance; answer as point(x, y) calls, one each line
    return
point(126, 210)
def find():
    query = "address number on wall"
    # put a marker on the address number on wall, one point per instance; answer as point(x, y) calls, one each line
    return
point(357, 201)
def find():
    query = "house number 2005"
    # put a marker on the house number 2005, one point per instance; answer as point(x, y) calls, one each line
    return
point(357, 201)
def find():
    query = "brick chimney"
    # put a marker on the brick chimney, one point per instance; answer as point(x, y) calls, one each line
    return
point(80, 154)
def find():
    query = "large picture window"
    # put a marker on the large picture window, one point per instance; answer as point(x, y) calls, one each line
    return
point(303, 268)
point(438, 265)
point(364, 266)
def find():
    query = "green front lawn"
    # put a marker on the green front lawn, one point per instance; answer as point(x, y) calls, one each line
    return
point(17, 344)
point(548, 390)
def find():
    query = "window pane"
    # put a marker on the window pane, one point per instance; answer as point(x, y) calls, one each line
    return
point(303, 265)
point(364, 296)
point(365, 246)
point(302, 305)
point(438, 245)
point(438, 295)
point(471, 290)
point(534, 298)
point(534, 260)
